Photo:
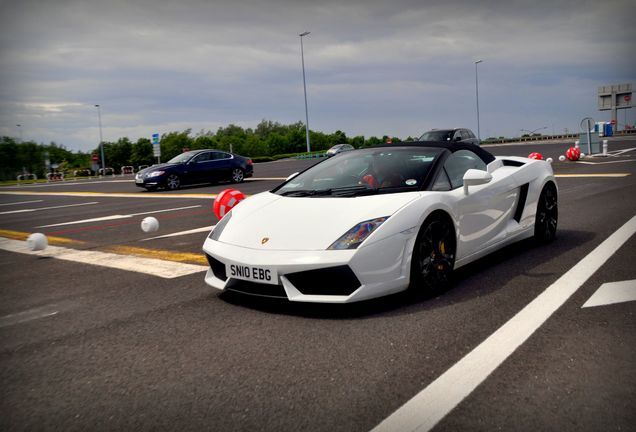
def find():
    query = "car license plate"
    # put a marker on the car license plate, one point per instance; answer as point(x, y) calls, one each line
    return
point(138, 181)
point(252, 273)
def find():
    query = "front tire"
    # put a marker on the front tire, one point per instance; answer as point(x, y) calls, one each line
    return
point(433, 256)
point(173, 182)
point(237, 175)
point(547, 215)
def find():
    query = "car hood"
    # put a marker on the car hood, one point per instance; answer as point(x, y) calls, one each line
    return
point(157, 167)
point(304, 223)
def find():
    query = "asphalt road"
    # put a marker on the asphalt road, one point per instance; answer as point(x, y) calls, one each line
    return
point(93, 347)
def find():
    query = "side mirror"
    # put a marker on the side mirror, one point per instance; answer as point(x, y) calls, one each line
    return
point(291, 176)
point(474, 177)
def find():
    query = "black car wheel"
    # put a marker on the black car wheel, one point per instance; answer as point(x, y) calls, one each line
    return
point(173, 182)
point(433, 255)
point(237, 175)
point(547, 215)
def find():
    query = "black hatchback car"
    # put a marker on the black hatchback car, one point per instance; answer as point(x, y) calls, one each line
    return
point(196, 167)
point(456, 135)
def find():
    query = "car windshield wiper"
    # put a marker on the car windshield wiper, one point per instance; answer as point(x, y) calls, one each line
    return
point(353, 190)
point(338, 192)
point(306, 192)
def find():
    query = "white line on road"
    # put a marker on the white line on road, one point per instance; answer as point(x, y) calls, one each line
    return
point(48, 208)
point(429, 406)
point(612, 293)
point(604, 163)
point(28, 315)
point(151, 266)
point(180, 233)
point(114, 217)
point(112, 195)
point(21, 202)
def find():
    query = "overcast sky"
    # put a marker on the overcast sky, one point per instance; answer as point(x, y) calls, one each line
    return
point(373, 67)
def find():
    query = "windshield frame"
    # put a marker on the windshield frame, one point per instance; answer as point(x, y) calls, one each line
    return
point(182, 157)
point(362, 156)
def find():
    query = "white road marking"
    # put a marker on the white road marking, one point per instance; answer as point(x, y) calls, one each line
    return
point(612, 293)
point(21, 202)
point(430, 405)
point(112, 195)
point(265, 178)
point(604, 163)
point(608, 175)
point(47, 208)
point(180, 233)
point(114, 217)
point(150, 266)
point(29, 315)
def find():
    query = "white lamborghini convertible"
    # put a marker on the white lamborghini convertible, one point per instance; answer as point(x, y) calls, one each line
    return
point(375, 221)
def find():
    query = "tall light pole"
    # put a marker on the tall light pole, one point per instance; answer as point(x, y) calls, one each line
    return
point(101, 141)
point(477, 97)
point(302, 56)
point(20, 131)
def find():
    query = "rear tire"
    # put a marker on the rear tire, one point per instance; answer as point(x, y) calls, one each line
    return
point(433, 256)
point(547, 215)
point(237, 175)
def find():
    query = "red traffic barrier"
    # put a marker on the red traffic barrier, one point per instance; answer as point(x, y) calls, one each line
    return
point(226, 200)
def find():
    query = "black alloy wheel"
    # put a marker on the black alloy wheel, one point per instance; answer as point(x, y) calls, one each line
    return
point(433, 256)
point(237, 175)
point(547, 215)
point(173, 182)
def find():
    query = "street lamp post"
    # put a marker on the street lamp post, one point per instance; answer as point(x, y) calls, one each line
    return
point(477, 97)
point(101, 141)
point(302, 56)
point(19, 126)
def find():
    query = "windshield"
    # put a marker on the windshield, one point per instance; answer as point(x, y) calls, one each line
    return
point(364, 172)
point(181, 158)
point(437, 135)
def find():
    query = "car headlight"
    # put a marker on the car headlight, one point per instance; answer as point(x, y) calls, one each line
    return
point(155, 173)
point(218, 229)
point(356, 235)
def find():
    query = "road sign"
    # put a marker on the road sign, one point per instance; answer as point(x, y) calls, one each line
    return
point(94, 157)
point(627, 98)
point(156, 147)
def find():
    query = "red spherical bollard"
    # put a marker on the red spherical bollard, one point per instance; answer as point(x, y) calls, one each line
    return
point(535, 155)
point(226, 200)
point(573, 154)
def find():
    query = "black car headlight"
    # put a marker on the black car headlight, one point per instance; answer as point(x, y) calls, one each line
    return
point(356, 235)
point(218, 229)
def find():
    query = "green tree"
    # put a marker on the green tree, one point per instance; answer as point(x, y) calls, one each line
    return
point(142, 153)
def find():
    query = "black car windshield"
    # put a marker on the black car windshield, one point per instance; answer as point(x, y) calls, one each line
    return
point(437, 135)
point(181, 158)
point(364, 172)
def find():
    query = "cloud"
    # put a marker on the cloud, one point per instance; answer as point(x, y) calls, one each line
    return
point(373, 67)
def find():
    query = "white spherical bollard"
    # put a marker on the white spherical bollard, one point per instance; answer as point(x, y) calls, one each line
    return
point(561, 158)
point(150, 224)
point(582, 155)
point(37, 242)
point(549, 160)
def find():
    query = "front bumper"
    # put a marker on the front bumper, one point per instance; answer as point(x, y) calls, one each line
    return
point(331, 276)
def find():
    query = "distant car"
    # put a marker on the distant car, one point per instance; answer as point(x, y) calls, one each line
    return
point(339, 148)
point(455, 135)
point(195, 167)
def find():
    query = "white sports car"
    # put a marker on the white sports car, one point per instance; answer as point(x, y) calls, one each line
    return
point(375, 221)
